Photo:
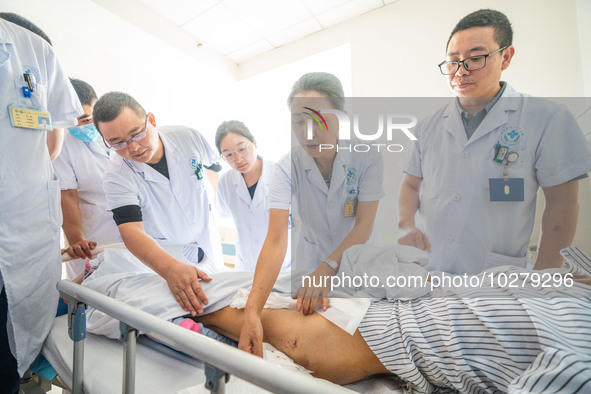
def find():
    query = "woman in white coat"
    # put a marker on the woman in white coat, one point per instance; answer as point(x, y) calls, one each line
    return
point(334, 192)
point(243, 192)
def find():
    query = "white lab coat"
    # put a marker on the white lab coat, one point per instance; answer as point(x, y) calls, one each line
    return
point(178, 210)
point(469, 233)
point(251, 216)
point(81, 166)
point(30, 217)
point(296, 183)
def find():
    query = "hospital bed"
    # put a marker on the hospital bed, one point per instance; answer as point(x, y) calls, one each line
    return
point(149, 367)
point(95, 364)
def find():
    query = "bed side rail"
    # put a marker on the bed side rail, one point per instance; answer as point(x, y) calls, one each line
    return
point(221, 358)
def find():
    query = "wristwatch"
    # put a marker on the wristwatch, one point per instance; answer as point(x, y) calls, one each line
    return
point(332, 264)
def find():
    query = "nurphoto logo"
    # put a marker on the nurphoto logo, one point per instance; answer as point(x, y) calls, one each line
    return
point(389, 124)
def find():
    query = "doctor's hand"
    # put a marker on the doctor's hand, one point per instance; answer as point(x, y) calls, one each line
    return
point(80, 250)
point(183, 282)
point(308, 295)
point(416, 238)
point(251, 335)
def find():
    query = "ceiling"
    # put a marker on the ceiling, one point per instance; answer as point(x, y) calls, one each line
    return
point(241, 29)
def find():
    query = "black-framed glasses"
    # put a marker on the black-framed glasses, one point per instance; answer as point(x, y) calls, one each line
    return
point(231, 156)
point(471, 63)
point(137, 137)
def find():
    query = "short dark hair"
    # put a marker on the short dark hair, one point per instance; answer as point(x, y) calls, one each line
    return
point(503, 32)
point(321, 82)
point(110, 105)
point(232, 126)
point(85, 92)
point(25, 23)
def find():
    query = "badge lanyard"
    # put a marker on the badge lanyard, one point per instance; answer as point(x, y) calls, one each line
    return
point(352, 192)
point(506, 189)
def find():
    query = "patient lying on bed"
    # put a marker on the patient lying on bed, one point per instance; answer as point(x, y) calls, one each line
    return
point(526, 338)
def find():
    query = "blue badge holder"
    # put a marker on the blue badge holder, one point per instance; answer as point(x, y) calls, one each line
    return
point(510, 189)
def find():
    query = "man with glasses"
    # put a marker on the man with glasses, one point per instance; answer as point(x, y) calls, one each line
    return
point(157, 189)
point(474, 172)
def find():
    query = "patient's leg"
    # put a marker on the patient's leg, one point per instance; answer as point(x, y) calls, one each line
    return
point(312, 341)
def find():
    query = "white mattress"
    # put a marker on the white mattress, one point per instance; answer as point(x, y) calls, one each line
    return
point(159, 369)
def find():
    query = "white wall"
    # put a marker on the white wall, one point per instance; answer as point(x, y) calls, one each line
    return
point(395, 49)
point(583, 11)
point(112, 54)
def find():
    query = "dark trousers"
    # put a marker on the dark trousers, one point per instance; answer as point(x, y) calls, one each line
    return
point(9, 378)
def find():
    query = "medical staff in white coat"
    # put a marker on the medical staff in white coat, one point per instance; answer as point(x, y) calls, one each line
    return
point(474, 172)
point(243, 192)
point(157, 188)
point(335, 194)
point(80, 168)
point(30, 214)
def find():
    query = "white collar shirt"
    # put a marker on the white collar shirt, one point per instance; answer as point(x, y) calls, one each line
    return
point(175, 210)
point(469, 233)
point(251, 215)
point(318, 211)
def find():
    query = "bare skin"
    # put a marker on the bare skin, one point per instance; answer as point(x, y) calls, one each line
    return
point(310, 340)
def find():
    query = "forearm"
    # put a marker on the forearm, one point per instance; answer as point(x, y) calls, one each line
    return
point(265, 275)
point(269, 262)
point(559, 224)
point(408, 201)
point(54, 142)
point(72, 224)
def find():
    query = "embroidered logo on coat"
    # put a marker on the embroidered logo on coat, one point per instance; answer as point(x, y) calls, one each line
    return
point(511, 135)
point(194, 162)
point(351, 175)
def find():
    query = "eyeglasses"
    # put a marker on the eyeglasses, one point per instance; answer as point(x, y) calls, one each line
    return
point(138, 137)
point(231, 156)
point(470, 64)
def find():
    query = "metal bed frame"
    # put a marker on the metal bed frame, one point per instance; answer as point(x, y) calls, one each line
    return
point(220, 360)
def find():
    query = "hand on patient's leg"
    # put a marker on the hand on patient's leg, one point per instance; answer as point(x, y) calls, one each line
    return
point(251, 335)
point(184, 283)
point(314, 289)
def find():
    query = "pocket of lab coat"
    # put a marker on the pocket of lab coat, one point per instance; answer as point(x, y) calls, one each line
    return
point(496, 260)
point(55, 210)
point(39, 96)
point(518, 169)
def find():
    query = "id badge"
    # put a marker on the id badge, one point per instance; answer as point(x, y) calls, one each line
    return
point(29, 117)
point(510, 189)
point(350, 208)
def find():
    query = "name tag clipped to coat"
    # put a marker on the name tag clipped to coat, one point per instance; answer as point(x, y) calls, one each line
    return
point(351, 204)
point(28, 116)
point(505, 188)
